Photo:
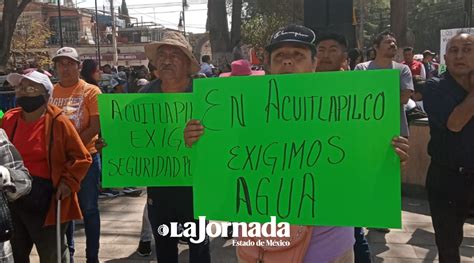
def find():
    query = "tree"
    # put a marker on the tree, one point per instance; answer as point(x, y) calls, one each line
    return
point(28, 39)
point(236, 21)
point(124, 13)
point(399, 20)
point(427, 18)
point(291, 11)
point(377, 19)
point(218, 31)
point(11, 11)
point(399, 24)
point(264, 17)
point(258, 29)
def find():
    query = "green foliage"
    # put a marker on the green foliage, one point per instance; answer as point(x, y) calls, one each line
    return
point(427, 18)
point(257, 30)
point(377, 19)
point(264, 17)
point(30, 36)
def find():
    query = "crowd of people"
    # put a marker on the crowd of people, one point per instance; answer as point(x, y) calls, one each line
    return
point(55, 129)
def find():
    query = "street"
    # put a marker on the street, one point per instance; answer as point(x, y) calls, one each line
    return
point(121, 219)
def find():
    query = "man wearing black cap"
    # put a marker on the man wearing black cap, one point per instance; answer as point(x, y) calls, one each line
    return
point(449, 102)
point(292, 50)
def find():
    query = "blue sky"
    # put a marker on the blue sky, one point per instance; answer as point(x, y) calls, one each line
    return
point(165, 12)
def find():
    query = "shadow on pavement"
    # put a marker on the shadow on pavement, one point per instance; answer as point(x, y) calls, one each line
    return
point(222, 251)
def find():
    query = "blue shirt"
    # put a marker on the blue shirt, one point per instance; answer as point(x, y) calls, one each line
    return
point(453, 149)
point(206, 69)
point(155, 87)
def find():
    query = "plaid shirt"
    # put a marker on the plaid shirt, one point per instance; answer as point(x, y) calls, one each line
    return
point(11, 159)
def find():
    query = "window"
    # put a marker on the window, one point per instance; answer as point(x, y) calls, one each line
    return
point(70, 30)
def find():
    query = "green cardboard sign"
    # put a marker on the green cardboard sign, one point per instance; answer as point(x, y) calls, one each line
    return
point(144, 136)
point(310, 149)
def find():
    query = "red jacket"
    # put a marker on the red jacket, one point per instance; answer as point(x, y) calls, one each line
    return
point(69, 160)
point(415, 67)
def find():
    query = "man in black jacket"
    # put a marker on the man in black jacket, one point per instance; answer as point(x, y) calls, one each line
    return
point(449, 102)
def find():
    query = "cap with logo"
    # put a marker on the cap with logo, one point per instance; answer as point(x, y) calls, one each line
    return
point(293, 34)
point(67, 52)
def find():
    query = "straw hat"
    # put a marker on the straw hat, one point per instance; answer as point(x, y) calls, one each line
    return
point(175, 39)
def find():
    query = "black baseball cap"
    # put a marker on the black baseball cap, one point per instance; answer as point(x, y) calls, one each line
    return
point(293, 34)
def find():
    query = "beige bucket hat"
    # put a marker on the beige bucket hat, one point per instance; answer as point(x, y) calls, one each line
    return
point(176, 39)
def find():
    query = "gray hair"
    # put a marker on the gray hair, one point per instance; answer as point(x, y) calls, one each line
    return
point(459, 34)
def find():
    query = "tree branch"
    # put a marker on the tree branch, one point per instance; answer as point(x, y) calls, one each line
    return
point(22, 6)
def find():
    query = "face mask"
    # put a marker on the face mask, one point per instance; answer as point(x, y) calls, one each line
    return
point(30, 104)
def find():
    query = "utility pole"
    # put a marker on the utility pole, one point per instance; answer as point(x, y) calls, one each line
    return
point(97, 36)
point(60, 24)
point(361, 23)
point(185, 5)
point(114, 34)
point(468, 13)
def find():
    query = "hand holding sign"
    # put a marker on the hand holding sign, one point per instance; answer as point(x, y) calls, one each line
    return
point(100, 144)
point(400, 145)
point(193, 132)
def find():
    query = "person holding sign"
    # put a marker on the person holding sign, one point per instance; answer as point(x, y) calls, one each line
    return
point(292, 50)
point(449, 102)
point(175, 63)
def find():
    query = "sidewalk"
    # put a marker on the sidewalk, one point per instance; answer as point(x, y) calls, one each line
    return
point(122, 217)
